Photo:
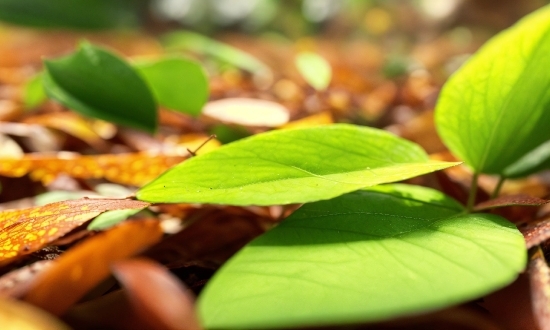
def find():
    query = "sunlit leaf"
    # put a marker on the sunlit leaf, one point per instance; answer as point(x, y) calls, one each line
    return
point(87, 264)
point(134, 169)
point(315, 69)
point(195, 42)
point(366, 256)
point(27, 230)
point(82, 14)
point(164, 303)
point(292, 166)
point(248, 112)
point(17, 315)
point(34, 94)
point(177, 83)
point(99, 84)
point(495, 108)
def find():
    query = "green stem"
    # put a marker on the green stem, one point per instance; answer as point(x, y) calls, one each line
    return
point(496, 192)
point(473, 192)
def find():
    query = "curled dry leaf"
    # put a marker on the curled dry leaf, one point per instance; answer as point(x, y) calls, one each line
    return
point(81, 268)
point(27, 230)
point(164, 303)
point(536, 233)
point(134, 169)
point(539, 277)
point(512, 200)
point(17, 315)
point(247, 112)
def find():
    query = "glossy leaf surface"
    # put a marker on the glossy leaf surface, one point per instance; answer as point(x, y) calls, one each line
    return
point(315, 69)
point(369, 255)
point(99, 84)
point(177, 83)
point(292, 166)
point(496, 108)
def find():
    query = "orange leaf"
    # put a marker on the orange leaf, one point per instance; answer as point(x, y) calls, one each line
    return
point(27, 230)
point(84, 266)
point(134, 169)
point(17, 315)
point(164, 303)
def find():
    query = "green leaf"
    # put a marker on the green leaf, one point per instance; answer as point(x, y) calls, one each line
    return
point(97, 83)
point(366, 256)
point(292, 166)
point(200, 44)
point(81, 14)
point(495, 108)
point(314, 69)
point(34, 94)
point(534, 161)
point(177, 83)
point(110, 218)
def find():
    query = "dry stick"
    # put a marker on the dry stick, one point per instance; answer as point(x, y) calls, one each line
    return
point(473, 192)
point(194, 153)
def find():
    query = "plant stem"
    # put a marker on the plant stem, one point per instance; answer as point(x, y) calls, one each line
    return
point(473, 192)
point(496, 192)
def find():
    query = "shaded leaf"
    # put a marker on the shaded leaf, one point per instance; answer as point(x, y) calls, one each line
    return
point(164, 303)
point(248, 112)
point(134, 169)
point(539, 277)
point(99, 84)
point(495, 109)
point(314, 69)
point(28, 230)
point(510, 200)
point(198, 43)
point(110, 218)
point(177, 83)
point(83, 14)
point(369, 255)
point(87, 264)
point(17, 315)
point(292, 166)
point(534, 161)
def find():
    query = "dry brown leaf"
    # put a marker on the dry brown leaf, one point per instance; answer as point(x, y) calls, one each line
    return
point(28, 230)
point(17, 315)
point(164, 303)
point(16, 283)
point(536, 233)
point(512, 200)
point(134, 169)
point(247, 112)
point(539, 277)
point(84, 266)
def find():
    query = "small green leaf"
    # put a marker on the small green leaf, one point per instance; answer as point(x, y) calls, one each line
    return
point(178, 83)
point(200, 44)
point(97, 83)
point(496, 107)
point(366, 256)
point(81, 14)
point(292, 166)
point(110, 218)
point(315, 69)
point(34, 94)
point(534, 161)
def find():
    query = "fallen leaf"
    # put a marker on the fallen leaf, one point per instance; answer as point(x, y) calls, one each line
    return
point(27, 230)
point(16, 283)
point(247, 112)
point(17, 315)
point(84, 266)
point(536, 233)
point(134, 169)
point(503, 201)
point(539, 277)
point(164, 303)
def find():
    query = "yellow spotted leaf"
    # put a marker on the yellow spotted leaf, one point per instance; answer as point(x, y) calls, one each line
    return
point(134, 169)
point(27, 230)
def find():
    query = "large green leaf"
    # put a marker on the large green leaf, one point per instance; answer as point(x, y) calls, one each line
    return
point(178, 83)
point(496, 108)
point(366, 256)
point(81, 14)
point(97, 83)
point(292, 166)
